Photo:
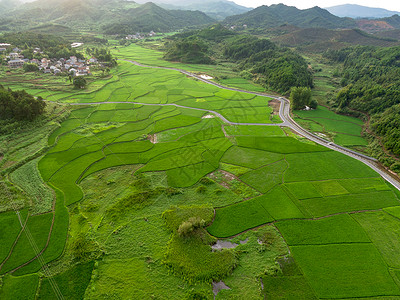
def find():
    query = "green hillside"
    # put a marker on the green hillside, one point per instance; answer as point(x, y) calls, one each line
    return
point(280, 14)
point(370, 84)
point(321, 39)
point(392, 34)
point(152, 17)
point(216, 9)
point(114, 16)
point(393, 21)
point(276, 68)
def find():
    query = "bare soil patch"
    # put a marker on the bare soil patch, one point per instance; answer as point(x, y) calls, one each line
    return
point(152, 138)
point(226, 177)
point(275, 105)
point(219, 286)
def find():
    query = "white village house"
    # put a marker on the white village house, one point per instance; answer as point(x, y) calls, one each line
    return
point(16, 63)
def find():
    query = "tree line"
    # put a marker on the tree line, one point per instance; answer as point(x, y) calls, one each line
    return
point(371, 83)
point(19, 105)
point(277, 68)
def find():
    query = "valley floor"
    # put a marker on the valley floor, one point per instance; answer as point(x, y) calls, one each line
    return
point(125, 200)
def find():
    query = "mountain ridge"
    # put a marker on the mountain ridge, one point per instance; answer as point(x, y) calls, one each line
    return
point(359, 11)
point(98, 15)
point(280, 14)
point(217, 9)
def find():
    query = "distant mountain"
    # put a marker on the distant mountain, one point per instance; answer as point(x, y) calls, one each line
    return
point(100, 14)
point(149, 17)
point(80, 14)
point(265, 17)
point(357, 11)
point(217, 9)
point(7, 5)
point(322, 39)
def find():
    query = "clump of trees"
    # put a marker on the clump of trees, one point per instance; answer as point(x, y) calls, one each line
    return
point(190, 225)
point(189, 50)
point(80, 82)
point(30, 67)
point(102, 55)
point(19, 105)
point(301, 97)
point(85, 249)
point(277, 68)
point(387, 125)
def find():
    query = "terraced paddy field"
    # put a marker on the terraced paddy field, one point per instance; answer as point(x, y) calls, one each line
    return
point(132, 201)
point(342, 130)
point(221, 73)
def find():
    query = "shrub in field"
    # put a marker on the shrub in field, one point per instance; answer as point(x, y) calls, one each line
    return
point(201, 189)
point(80, 82)
point(175, 216)
point(190, 225)
point(85, 249)
point(189, 254)
point(170, 191)
point(206, 181)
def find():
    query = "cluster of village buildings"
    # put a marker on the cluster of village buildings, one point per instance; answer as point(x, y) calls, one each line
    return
point(71, 65)
point(234, 27)
point(140, 36)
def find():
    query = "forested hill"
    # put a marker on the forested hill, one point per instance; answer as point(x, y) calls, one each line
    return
point(359, 11)
point(149, 17)
point(7, 5)
point(371, 83)
point(280, 14)
point(274, 67)
point(99, 15)
point(316, 40)
point(217, 9)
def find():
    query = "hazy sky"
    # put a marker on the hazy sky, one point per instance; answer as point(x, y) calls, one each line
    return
point(388, 4)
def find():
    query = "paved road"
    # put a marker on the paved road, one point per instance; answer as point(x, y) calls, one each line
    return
point(284, 114)
point(225, 120)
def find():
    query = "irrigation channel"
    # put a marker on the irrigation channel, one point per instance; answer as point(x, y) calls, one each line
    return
point(284, 114)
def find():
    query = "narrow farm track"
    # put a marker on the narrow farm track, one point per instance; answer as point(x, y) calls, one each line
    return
point(284, 114)
point(186, 107)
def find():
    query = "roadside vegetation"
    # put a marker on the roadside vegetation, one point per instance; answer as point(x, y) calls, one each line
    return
point(369, 86)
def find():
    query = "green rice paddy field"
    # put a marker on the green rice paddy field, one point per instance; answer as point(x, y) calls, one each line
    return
point(342, 130)
point(127, 200)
